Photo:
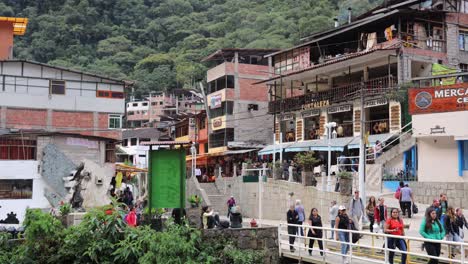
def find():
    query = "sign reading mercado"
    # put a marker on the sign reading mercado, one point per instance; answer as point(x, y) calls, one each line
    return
point(438, 99)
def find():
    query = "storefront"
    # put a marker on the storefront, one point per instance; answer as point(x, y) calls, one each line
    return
point(377, 113)
point(342, 115)
point(311, 119)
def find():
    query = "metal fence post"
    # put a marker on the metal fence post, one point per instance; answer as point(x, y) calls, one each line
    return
point(386, 248)
point(350, 245)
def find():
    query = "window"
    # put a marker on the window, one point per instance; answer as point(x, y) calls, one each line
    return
point(115, 121)
point(125, 142)
point(110, 152)
point(252, 107)
point(221, 83)
point(16, 189)
point(153, 103)
point(160, 103)
point(464, 67)
point(133, 142)
point(135, 104)
point(17, 149)
point(206, 147)
point(57, 87)
point(463, 40)
point(110, 94)
point(144, 104)
point(221, 137)
point(202, 124)
point(227, 107)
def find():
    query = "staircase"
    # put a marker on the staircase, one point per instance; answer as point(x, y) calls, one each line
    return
point(407, 141)
point(217, 199)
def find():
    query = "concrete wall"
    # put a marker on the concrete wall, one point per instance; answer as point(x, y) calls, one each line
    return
point(425, 192)
point(21, 170)
point(438, 160)
point(252, 125)
point(276, 199)
point(454, 123)
point(263, 238)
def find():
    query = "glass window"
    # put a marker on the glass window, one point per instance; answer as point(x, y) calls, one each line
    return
point(115, 121)
point(57, 87)
point(16, 189)
point(463, 40)
point(464, 156)
point(230, 81)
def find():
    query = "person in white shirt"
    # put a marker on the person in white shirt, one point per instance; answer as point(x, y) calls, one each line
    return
point(333, 212)
point(356, 210)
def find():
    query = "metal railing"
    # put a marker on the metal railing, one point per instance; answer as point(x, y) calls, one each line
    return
point(364, 250)
point(377, 86)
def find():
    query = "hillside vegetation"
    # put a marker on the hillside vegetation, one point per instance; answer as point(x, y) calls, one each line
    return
point(159, 43)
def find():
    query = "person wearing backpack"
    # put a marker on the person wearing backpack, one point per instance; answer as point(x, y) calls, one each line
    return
point(394, 226)
point(432, 229)
point(356, 210)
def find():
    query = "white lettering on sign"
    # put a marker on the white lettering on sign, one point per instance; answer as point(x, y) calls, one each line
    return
point(339, 109)
point(310, 113)
point(315, 105)
point(375, 102)
point(453, 92)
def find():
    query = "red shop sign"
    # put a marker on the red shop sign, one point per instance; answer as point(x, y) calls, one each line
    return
point(438, 99)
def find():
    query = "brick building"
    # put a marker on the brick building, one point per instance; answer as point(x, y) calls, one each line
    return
point(237, 105)
point(148, 112)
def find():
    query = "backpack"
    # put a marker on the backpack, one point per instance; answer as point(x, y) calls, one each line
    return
point(397, 194)
point(355, 236)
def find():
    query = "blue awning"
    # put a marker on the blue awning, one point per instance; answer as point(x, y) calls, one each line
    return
point(372, 139)
point(270, 149)
point(336, 144)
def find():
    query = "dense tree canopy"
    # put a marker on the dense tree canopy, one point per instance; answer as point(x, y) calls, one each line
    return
point(159, 43)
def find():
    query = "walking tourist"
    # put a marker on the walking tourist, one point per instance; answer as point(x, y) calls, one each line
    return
point(315, 220)
point(236, 217)
point(380, 213)
point(230, 203)
point(333, 212)
point(398, 196)
point(406, 198)
point(342, 222)
point(443, 207)
point(461, 221)
point(356, 210)
point(292, 218)
point(432, 229)
point(452, 230)
point(434, 206)
point(370, 208)
point(301, 214)
point(395, 226)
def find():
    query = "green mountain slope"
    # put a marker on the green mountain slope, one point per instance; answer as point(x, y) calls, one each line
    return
point(159, 43)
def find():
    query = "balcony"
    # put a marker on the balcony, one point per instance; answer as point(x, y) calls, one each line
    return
point(335, 95)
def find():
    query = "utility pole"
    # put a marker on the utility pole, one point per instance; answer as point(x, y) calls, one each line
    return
point(362, 148)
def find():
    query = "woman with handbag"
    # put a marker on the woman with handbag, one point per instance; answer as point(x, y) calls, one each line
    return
point(431, 228)
point(370, 207)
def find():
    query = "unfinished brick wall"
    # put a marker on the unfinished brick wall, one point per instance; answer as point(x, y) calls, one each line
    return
point(26, 118)
point(251, 91)
point(72, 119)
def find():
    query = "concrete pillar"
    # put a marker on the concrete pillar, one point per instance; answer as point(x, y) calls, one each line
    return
point(452, 48)
point(95, 123)
point(3, 111)
point(50, 116)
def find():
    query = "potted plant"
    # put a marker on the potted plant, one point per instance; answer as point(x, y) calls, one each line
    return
point(153, 219)
point(346, 182)
point(307, 161)
point(195, 200)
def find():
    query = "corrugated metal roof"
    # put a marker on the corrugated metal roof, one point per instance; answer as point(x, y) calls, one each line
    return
point(164, 143)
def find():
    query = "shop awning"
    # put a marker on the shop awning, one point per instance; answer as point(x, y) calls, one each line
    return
point(240, 151)
point(300, 146)
point(372, 139)
point(125, 151)
point(336, 144)
point(270, 149)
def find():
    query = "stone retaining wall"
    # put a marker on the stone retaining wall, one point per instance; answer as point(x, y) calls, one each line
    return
point(262, 238)
point(426, 192)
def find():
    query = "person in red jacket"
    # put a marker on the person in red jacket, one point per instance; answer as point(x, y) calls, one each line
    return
point(131, 217)
point(380, 213)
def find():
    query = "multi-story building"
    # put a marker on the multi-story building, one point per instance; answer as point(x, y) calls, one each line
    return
point(321, 80)
point(148, 112)
point(51, 120)
point(43, 97)
point(237, 105)
point(131, 150)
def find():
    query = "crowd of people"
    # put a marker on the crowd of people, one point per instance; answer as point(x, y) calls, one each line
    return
point(441, 221)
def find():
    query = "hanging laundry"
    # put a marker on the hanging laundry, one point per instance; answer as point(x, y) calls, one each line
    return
point(371, 40)
point(389, 32)
point(118, 180)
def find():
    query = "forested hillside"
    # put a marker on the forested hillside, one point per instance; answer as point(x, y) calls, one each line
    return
point(159, 43)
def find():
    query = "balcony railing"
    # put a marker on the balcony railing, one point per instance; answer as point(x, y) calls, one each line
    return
point(334, 95)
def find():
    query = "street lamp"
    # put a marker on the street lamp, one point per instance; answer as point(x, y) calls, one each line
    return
point(329, 127)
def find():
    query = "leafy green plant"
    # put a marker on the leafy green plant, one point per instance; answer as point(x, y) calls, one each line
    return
point(345, 175)
point(195, 199)
point(306, 160)
point(65, 209)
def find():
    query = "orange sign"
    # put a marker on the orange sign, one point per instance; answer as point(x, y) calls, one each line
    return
point(438, 99)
